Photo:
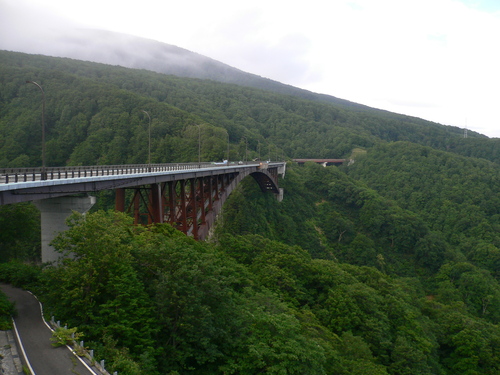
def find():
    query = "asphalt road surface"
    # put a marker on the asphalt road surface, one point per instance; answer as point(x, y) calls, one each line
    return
point(35, 338)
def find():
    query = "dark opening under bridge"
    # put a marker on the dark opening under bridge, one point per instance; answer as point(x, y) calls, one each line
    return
point(189, 196)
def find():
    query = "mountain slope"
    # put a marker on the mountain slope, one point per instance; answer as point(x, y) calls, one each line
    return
point(140, 53)
point(91, 106)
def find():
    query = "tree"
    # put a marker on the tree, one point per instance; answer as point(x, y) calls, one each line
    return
point(97, 288)
point(20, 234)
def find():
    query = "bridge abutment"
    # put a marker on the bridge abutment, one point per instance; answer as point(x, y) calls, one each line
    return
point(54, 212)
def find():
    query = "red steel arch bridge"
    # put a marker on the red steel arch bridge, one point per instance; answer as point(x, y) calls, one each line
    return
point(187, 195)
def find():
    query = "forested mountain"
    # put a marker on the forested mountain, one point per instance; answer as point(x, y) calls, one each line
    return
point(90, 106)
point(388, 264)
point(130, 51)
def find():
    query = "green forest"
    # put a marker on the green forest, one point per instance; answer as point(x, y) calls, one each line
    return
point(388, 264)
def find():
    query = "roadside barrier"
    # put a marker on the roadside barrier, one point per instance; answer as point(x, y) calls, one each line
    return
point(79, 350)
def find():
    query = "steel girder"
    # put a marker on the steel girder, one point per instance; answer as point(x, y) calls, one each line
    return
point(191, 205)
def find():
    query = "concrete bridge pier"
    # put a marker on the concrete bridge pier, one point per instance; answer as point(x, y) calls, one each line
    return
point(279, 196)
point(54, 212)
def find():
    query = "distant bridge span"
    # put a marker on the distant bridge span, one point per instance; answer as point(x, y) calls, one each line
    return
point(324, 162)
point(188, 196)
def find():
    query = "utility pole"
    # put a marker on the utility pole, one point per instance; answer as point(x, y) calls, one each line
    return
point(149, 141)
point(44, 174)
point(199, 145)
point(246, 148)
point(227, 147)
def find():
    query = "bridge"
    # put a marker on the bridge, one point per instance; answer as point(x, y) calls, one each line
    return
point(189, 196)
point(324, 162)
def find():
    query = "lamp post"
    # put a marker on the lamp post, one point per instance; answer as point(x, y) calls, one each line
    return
point(227, 132)
point(149, 141)
point(246, 148)
point(199, 145)
point(43, 175)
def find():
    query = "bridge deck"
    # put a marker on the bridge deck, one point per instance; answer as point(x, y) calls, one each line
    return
point(26, 184)
point(320, 161)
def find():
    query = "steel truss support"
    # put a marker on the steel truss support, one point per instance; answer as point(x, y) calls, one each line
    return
point(190, 205)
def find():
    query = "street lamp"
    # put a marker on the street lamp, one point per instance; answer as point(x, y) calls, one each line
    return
point(149, 138)
point(199, 145)
point(43, 175)
point(227, 147)
point(246, 148)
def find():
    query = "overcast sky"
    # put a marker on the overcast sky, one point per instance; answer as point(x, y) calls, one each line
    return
point(434, 59)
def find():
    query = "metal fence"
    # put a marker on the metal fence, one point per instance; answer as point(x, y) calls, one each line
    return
point(13, 175)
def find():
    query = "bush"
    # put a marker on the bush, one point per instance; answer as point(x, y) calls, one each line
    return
point(6, 311)
point(65, 336)
point(19, 274)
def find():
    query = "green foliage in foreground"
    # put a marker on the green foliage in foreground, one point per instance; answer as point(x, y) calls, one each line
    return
point(65, 336)
point(184, 305)
point(6, 311)
point(151, 300)
point(19, 274)
point(20, 232)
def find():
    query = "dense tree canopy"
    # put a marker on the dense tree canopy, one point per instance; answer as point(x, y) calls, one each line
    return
point(94, 116)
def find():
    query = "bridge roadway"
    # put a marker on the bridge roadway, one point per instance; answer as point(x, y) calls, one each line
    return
point(26, 184)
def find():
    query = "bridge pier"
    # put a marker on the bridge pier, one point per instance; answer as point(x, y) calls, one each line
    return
point(54, 212)
point(280, 194)
point(155, 202)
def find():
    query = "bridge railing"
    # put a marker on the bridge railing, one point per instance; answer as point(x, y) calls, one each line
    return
point(13, 175)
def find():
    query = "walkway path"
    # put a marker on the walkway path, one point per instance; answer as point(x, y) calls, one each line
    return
point(35, 338)
point(10, 363)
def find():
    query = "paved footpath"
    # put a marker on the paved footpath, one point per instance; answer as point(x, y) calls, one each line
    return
point(35, 338)
point(10, 363)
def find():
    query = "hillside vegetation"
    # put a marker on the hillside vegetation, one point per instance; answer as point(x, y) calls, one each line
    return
point(94, 116)
point(388, 265)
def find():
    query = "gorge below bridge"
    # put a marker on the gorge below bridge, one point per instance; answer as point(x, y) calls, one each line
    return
point(189, 196)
